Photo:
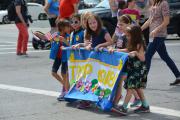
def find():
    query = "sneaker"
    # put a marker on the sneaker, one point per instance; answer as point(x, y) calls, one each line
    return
point(176, 82)
point(142, 109)
point(137, 102)
point(84, 105)
point(61, 96)
point(119, 109)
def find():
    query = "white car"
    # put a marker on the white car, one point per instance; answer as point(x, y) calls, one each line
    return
point(36, 11)
point(3, 17)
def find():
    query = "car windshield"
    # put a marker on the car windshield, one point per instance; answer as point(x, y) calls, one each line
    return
point(92, 1)
point(103, 4)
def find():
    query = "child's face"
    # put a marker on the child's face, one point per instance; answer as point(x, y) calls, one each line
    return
point(67, 29)
point(92, 22)
point(122, 26)
point(75, 23)
point(133, 3)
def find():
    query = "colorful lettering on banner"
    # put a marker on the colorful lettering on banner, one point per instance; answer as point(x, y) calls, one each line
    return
point(95, 75)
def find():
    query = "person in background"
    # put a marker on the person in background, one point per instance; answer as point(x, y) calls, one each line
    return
point(21, 22)
point(114, 9)
point(51, 9)
point(143, 6)
point(132, 11)
point(157, 22)
point(67, 8)
point(121, 6)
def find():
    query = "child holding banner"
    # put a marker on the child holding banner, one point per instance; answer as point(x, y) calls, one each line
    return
point(136, 69)
point(120, 42)
point(64, 29)
point(77, 35)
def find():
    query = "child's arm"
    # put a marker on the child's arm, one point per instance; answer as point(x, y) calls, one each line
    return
point(139, 54)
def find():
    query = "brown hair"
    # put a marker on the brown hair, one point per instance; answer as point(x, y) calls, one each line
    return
point(125, 19)
point(157, 2)
point(136, 38)
point(62, 24)
point(89, 32)
point(77, 16)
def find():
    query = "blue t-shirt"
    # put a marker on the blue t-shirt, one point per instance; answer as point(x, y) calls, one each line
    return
point(54, 7)
point(98, 39)
point(77, 37)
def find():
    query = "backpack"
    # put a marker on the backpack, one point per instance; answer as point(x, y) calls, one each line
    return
point(11, 11)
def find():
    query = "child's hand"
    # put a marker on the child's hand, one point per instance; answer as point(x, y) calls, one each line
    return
point(77, 46)
point(62, 47)
point(132, 54)
point(111, 50)
point(88, 47)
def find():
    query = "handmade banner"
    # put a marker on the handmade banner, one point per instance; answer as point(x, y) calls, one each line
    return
point(93, 75)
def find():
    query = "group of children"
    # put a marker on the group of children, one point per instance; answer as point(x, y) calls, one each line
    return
point(87, 31)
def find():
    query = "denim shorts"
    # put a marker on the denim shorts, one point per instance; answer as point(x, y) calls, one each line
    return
point(57, 63)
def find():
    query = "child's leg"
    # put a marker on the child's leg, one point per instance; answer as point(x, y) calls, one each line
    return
point(64, 73)
point(55, 68)
point(137, 100)
point(136, 96)
point(142, 97)
point(118, 94)
point(127, 98)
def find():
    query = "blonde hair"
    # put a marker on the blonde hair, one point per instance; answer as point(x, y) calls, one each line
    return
point(84, 16)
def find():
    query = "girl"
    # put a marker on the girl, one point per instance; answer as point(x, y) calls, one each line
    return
point(77, 36)
point(120, 42)
point(96, 34)
point(64, 29)
point(136, 69)
point(157, 22)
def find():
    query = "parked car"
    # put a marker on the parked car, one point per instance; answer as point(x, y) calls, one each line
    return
point(36, 11)
point(103, 10)
point(174, 26)
point(83, 4)
point(4, 17)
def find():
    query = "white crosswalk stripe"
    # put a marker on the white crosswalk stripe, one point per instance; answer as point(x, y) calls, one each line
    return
point(7, 47)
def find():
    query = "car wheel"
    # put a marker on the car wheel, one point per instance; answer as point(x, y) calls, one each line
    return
point(42, 16)
point(6, 20)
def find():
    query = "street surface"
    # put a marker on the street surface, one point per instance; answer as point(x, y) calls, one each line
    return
point(29, 92)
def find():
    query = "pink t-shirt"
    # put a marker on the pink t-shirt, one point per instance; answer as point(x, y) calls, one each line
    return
point(156, 16)
point(133, 13)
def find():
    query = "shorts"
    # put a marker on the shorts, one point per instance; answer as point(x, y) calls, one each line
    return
point(52, 22)
point(57, 63)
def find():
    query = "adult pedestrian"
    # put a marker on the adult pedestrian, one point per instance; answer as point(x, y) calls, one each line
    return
point(21, 22)
point(67, 8)
point(157, 22)
point(52, 11)
point(143, 6)
point(114, 10)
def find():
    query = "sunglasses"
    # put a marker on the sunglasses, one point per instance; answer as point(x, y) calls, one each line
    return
point(74, 22)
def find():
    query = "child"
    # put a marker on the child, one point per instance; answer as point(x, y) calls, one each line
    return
point(120, 42)
point(64, 29)
point(96, 33)
point(136, 69)
point(77, 36)
point(131, 11)
point(98, 37)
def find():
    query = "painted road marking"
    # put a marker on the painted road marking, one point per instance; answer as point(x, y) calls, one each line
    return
point(38, 51)
point(154, 109)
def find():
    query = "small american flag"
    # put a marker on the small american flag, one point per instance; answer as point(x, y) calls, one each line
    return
point(50, 36)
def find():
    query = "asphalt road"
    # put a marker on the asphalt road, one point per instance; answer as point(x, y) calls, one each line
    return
point(28, 91)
